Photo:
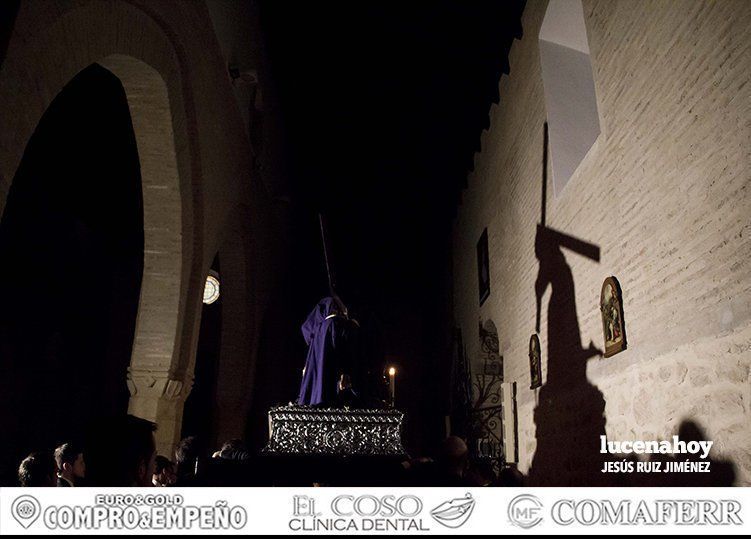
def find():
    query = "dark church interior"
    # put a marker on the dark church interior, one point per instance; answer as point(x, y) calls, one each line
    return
point(348, 176)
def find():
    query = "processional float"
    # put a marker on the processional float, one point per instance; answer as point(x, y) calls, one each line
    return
point(329, 417)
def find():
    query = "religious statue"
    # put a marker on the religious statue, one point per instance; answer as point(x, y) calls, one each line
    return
point(611, 307)
point(329, 333)
point(535, 362)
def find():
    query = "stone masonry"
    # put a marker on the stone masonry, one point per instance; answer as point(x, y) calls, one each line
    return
point(665, 192)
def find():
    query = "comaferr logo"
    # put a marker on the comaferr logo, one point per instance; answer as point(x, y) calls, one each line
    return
point(525, 511)
point(454, 513)
point(651, 513)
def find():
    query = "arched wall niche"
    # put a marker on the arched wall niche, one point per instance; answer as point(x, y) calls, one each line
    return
point(40, 60)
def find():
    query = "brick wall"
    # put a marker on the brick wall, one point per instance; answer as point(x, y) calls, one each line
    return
point(664, 193)
point(221, 206)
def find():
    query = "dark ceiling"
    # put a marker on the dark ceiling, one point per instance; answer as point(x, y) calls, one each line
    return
point(384, 104)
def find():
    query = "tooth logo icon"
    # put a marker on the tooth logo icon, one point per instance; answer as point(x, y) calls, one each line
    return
point(454, 513)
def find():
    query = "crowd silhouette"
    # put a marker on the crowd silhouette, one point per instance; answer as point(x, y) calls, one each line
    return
point(123, 454)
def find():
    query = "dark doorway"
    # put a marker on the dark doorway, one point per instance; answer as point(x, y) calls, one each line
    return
point(71, 257)
point(200, 407)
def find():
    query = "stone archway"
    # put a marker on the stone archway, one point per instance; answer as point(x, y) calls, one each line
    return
point(154, 395)
point(148, 62)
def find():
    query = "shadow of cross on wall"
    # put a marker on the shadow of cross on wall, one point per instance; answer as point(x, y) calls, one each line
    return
point(570, 414)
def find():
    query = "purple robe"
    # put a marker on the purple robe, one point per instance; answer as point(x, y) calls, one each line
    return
point(319, 384)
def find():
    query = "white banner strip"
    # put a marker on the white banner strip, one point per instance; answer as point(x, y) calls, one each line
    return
point(277, 511)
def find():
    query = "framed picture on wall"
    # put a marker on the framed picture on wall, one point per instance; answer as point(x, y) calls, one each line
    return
point(535, 362)
point(611, 307)
point(483, 266)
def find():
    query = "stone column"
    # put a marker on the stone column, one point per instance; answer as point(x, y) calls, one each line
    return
point(159, 397)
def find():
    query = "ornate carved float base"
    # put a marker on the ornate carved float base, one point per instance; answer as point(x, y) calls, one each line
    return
point(304, 430)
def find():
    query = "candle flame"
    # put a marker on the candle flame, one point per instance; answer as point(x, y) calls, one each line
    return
point(392, 371)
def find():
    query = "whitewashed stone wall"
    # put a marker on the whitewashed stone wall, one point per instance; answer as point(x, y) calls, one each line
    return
point(664, 193)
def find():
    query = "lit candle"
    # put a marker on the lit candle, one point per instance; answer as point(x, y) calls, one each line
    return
point(392, 384)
